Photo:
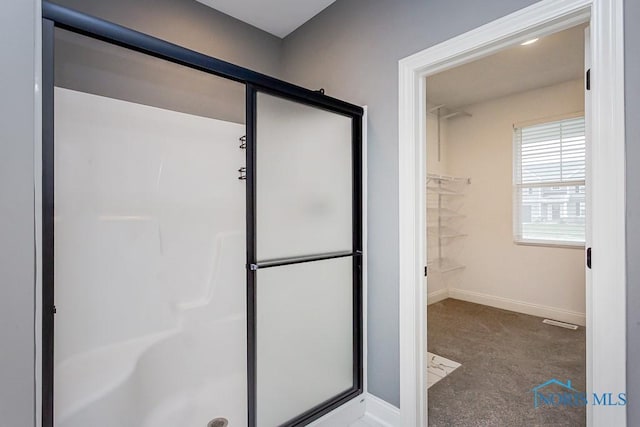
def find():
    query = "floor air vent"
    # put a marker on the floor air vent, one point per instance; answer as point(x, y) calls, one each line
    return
point(560, 324)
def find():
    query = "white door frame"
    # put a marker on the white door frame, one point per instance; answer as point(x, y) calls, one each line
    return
point(606, 296)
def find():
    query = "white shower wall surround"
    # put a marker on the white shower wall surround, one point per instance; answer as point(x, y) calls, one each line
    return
point(149, 266)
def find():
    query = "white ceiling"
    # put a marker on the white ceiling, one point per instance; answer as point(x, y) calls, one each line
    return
point(278, 17)
point(551, 60)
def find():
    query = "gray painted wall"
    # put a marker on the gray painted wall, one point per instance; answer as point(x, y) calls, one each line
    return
point(100, 68)
point(192, 25)
point(352, 50)
point(632, 106)
point(17, 121)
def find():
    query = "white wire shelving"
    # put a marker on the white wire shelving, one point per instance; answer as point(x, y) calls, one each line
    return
point(443, 219)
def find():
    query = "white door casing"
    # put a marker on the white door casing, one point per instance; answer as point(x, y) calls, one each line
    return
point(605, 305)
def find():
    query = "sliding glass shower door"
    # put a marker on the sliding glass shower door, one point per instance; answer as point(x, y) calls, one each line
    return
point(154, 215)
point(304, 266)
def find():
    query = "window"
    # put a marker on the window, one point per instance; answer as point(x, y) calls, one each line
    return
point(549, 183)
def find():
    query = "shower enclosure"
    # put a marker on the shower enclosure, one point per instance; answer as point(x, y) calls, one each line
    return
point(202, 242)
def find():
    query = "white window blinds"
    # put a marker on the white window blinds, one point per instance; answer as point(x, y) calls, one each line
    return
point(549, 183)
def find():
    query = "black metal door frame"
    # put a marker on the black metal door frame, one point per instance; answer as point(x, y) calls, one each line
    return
point(55, 16)
point(254, 264)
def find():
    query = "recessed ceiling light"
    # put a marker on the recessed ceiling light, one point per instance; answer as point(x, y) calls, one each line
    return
point(532, 41)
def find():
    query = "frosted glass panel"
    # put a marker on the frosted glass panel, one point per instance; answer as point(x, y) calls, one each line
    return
point(304, 180)
point(149, 266)
point(304, 337)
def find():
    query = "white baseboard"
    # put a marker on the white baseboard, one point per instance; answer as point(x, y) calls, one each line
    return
point(344, 415)
point(433, 297)
point(381, 413)
point(519, 306)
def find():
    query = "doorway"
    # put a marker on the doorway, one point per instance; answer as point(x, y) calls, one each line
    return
point(506, 232)
point(605, 302)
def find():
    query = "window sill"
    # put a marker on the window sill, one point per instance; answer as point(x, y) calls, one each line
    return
point(550, 244)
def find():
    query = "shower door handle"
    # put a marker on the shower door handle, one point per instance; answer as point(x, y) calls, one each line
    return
point(299, 260)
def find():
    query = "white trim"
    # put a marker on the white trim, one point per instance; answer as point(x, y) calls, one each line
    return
point(381, 413)
point(365, 252)
point(606, 297)
point(437, 296)
point(412, 248)
point(550, 244)
point(606, 311)
point(538, 310)
point(588, 102)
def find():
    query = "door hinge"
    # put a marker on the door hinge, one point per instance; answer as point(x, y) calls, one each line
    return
point(425, 271)
point(55, 310)
point(589, 258)
point(588, 79)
